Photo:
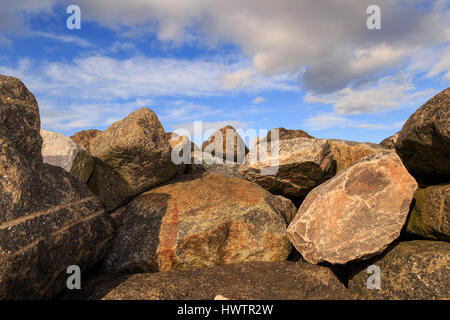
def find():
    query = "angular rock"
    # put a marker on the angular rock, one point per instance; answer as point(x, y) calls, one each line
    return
point(198, 221)
point(413, 270)
point(389, 143)
point(49, 220)
point(131, 156)
point(19, 119)
point(226, 143)
point(290, 168)
point(424, 141)
point(285, 134)
point(346, 153)
point(430, 216)
point(356, 214)
point(60, 151)
point(244, 281)
point(183, 151)
point(84, 138)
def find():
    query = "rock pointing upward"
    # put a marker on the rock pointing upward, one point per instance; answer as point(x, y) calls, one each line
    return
point(48, 219)
point(132, 156)
point(356, 214)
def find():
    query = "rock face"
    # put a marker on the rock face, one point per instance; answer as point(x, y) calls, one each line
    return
point(290, 168)
point(410, 270)
point(19, 119)
point(131, 156)
point(48, 219)
point(389, 143)
point(84, 138)
point(356, 214)
point(183, 152)
point(430, 216)
point(346, 153)
point(60, 151)
point(244, 281)
point(198, 221)
point(286, 134)
point(424, 141)
point(226, 143)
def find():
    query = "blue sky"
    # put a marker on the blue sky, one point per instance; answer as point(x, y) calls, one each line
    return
point(298, 64)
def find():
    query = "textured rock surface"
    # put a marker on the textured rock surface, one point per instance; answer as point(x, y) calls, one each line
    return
point(48, 219)
point(198, 221)
point(245, 281)
point(389, 143)
point(84, 138)
point(409, 270)
point(60, 151)
point(346, 153)
point(424, 141)
point(298, 166)
point(285, 134)
point(131, 156)
point(19, 119)
point(183, 152)
point(356, 214)
point(430, 216)
point(226, 143)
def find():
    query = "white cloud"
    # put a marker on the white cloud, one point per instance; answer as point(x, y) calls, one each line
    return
point(442, 65)
point(258, 100)
point(238, 79)
point(387, 94)
point(327, 40)
point(64, 38)
point(101, 77)
point(332, 120)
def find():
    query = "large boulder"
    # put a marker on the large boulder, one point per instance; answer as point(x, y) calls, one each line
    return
point(430, 216)
point(84, 138)
point(413, 270)
point(244, 281)
point(356, 214)
point(198, 221)
point(60, 151)
point(131, 156)
point(226, 144)
point(389, 142)
point(19, 119)
point(291, 167)
point(424, 141)
point(49, 220)
point(346, 153)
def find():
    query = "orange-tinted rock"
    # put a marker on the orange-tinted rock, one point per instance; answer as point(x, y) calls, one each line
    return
point(131, 156)
point(389, 143)
point(226, 143)
point(356, 214)
point(291, 167)
point(424, 141)
point(198, 221)
point(346, 153)
point(84, 138)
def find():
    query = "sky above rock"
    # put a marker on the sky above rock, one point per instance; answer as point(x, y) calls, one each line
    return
point(254, 64)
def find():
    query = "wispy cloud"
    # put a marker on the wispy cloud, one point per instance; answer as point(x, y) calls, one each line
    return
point(386, 94)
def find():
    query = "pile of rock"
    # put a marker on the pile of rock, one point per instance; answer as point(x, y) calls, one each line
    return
point(164, 219)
